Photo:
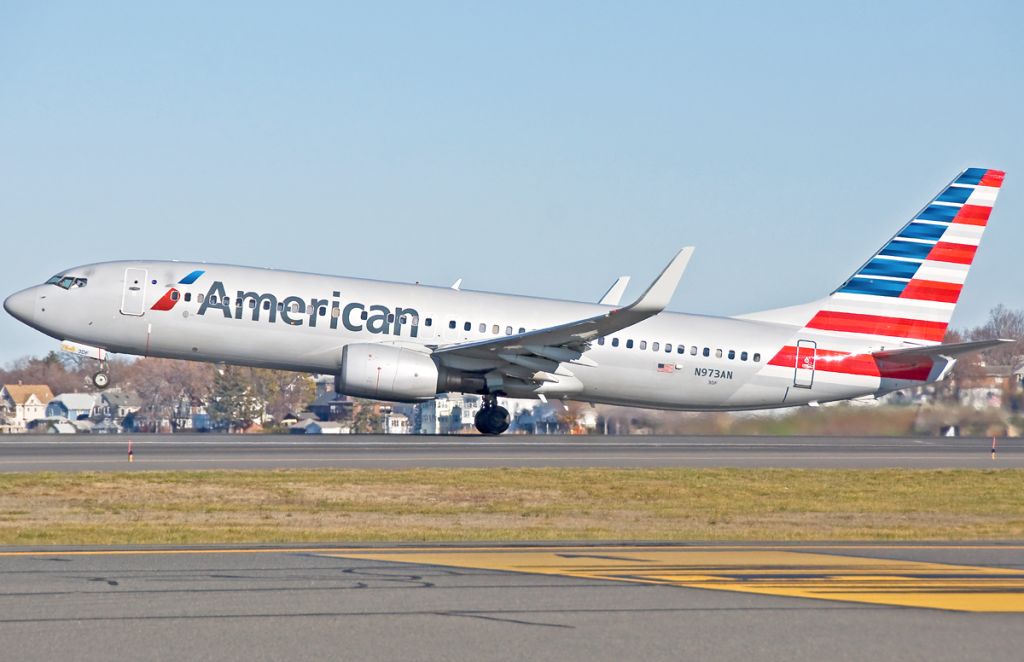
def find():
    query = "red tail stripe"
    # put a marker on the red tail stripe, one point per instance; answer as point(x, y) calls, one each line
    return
point(993, 178)
point(973, 215)
point(856, 364)
point(948, 252)
point(878, 325)
point(932, 290)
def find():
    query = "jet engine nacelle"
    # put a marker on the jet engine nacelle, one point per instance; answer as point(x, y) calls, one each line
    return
point(386, 372)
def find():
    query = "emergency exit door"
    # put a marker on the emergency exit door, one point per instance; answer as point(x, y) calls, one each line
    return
point(806, 355)
point(133, 299)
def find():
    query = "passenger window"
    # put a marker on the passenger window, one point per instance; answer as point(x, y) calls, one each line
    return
point(629, 344)
point(188, 296)
point(266, 304)
point(508, 330)
point(391, 318)
point(522, 329)
point(404, 319)
point(335, 312)
point(430, 322)
point(681, 349)
point(451, 324)
point(743, 356)
point(732, 354)
point(718, 353)
point(707, 351)
point(323, 310)
point(174, 295)
point(200, 297)
point(643, 344)
point(655, 347)
point(364, 315)
point(757, 357)
point(213, 300)
point(615, 342)
point(495, 329)
point(483, 328)
point(467, 326)
point(668, 348)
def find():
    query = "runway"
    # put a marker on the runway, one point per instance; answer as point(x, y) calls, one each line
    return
point(942, 601)
point(195, 452)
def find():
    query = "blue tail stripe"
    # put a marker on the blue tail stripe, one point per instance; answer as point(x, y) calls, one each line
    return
point(891, 268)
point(923, 231)
point(885, 288)
point(909, 249)
point(939, 213)
point(971, 176)
point(957, 194)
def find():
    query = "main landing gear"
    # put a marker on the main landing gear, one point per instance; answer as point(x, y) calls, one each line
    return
point(492, 419)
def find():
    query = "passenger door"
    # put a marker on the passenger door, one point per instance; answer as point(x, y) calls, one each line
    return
point(806, 354)
point(133, 299)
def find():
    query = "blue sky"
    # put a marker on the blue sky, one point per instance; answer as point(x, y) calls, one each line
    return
point(538, 148)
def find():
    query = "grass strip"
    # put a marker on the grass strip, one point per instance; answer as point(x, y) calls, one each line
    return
point(339, 506)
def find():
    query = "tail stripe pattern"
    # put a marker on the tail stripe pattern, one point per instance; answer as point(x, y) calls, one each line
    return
point(907, 291)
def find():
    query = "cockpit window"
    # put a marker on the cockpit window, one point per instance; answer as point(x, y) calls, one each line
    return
point(67, 282)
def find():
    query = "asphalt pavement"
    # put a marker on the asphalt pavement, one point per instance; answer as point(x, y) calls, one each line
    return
point(587, 603)
point(180, 452)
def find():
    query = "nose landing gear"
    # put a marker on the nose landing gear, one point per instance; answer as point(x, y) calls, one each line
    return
point(101, 379)
point(492, 419)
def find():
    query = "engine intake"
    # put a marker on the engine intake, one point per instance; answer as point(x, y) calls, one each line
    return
point(386, 372)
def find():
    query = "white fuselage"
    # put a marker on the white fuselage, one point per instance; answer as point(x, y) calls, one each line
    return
point(670, 361)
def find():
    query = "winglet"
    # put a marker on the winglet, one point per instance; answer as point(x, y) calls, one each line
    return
point(457, 284)
point(664, 286)
point(614, 294)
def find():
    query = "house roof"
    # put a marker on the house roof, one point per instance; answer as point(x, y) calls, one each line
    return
point(20, 393)
point(327, 398)
point(119, 398)
point(76, 400)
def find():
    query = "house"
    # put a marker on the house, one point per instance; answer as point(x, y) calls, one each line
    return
point(61, 427)
point(116, 404)
point(328, 427)
point(395, 423)
point(72, 406)
point(448, 413)
point(331, 406)
point(23, 403)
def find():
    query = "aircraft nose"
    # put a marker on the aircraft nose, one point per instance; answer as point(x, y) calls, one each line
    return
point(22, 305)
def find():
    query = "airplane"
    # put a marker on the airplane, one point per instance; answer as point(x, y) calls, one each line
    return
point(881, 330)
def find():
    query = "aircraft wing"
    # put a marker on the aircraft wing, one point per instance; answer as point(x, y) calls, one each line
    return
point(938, 351)
point(535, 356)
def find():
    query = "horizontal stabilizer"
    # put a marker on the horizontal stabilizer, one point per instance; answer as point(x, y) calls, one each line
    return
point(938, 351)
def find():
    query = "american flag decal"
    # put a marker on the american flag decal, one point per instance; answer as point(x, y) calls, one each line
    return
point(666, 367)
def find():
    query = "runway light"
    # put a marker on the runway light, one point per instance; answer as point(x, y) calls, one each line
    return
point(131, 455)
point(993, 448)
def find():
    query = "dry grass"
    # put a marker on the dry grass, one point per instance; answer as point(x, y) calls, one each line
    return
point(509, 504)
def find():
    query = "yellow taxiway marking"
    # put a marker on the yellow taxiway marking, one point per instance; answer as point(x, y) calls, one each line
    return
point(767, 572)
